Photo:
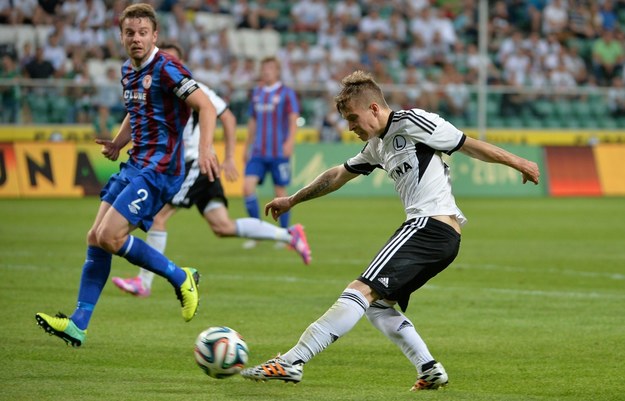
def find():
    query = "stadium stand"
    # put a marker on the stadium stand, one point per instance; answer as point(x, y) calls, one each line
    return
point(258, 28)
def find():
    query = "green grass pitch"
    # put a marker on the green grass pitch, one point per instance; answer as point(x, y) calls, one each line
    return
point(532, 309)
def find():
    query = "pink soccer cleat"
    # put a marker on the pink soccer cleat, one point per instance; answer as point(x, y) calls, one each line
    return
point(132, 286)
point(299, 242)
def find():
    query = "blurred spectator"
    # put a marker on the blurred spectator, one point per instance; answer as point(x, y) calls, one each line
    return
point(608, 55)
point(108, 103)
point(242, 13)
point(466, 22)
point(200, 52)
point(54, 52)
point(94, 11)
point(616, 97)
point(346, 52)
point(39, 67)
point(475, 61)
point(444, 26)
point(575, 64)
point(9, 93)
point(6, 12)
point(399, 29)
point(348, 13)
point(332, 124)
point(609, 19)
point(499, 20)
point(208, 73)
point(439, 50)
point(423, 25)
point(422, 92)
point(309, 15)
point(255, 15)
point(580, 22)
point(26, 54)
point(509, 46)
point(555, 19)
point(28, 12)
point(331, 34)
point(515, 102)
point(455, 95)
point(180, 28)
point(418, 54)
point(371, 23)
point(70, 9)
point(561, 80)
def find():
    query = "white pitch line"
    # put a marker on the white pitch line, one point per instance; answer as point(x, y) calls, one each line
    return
point(551, 270)
point(511, 291)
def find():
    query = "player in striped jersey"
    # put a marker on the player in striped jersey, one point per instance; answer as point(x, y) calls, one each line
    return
point(209, 197)
point(408, 145)
point(273, 114)
point(159, 93)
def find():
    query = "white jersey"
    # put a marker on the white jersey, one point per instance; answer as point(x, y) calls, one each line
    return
point(191, 133)
point(410, 151)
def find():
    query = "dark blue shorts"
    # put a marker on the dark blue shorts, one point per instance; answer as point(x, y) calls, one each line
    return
point(280, 169)
point(138, 194)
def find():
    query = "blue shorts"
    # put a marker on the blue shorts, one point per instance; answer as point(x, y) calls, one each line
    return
point(279, 167)
point(138, 194)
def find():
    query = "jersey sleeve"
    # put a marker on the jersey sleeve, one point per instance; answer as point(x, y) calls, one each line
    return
point(216, 100)
point(446, 138)
point(177, 78)
point(364, 162)
point(292, 103)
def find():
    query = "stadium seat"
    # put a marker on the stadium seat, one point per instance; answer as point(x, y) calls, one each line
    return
point(38, 106)
point(7, 34)
point(60, 110)
point(545, 107)
point(581, 109)
point(211, 22)
point(607, 123)
point(563, 108)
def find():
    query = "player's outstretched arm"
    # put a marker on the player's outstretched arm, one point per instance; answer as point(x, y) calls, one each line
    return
point(327, 182)
point(207, 118)
point(111, 148)
point(493, 154)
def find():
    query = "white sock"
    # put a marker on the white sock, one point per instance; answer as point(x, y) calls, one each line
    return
point(250, 227)
point(400, 330)
point(336, 322)
point(158, 241)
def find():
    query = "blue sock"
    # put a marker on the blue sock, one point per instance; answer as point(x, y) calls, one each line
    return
point(137, 252)
point(251, 204)
point(95, 272)
point(284, 219)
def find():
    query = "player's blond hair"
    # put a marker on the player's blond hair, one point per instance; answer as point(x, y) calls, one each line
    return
point(359, 86)
point(139, 10)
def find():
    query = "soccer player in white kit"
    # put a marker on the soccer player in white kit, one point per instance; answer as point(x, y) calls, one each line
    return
point(209, 197)
point(408, 145)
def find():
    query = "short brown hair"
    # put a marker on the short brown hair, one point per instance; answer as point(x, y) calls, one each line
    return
point(361, 86)
point(139, 10)
point(172, 45)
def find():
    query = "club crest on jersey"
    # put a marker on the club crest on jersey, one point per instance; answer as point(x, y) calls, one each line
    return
point(399, 142)
point(147, 81)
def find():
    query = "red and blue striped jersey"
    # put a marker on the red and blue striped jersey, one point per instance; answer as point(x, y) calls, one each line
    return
point(154, 96)
point(271, 107)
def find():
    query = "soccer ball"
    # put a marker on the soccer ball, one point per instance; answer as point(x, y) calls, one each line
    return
point(220, 352)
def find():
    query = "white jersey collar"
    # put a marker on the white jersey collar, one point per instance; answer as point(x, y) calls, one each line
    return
point(148, 61)
point(272, 87)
